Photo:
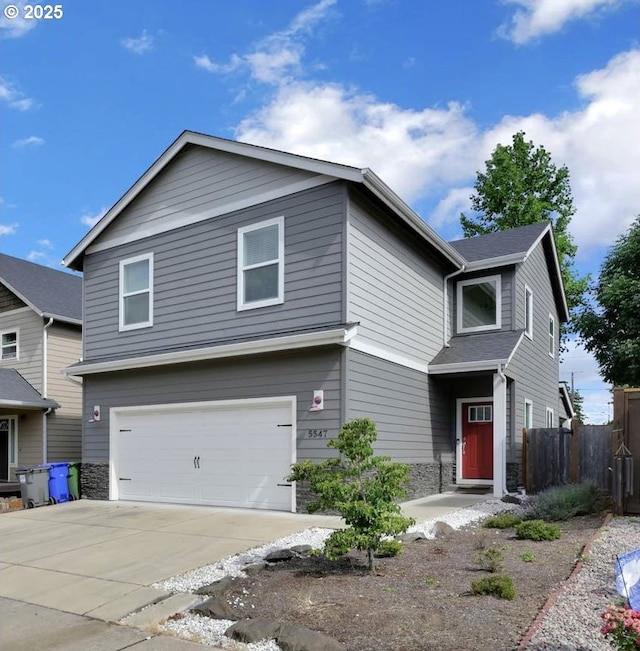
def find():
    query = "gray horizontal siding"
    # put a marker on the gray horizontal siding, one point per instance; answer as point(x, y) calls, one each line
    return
point(195, 293)
point(410, 411)
point(535, 372)
point(297, 373)
point(29, 326)
point(198, 181)
point(394, 289)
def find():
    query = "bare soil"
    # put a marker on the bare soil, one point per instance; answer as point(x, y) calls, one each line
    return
point(420, 599)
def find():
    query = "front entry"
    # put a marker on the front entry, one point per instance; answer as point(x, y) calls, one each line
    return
point(4, 448)
point(477, 440)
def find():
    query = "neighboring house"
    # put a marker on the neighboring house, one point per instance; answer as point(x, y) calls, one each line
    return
point(242, 303)
point(566, 413)
point(40, 334)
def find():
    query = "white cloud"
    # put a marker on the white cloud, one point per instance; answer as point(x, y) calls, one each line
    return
point(140, 45)
point(535, 18)
point(14, 97)
point(15, 27)
point(46, 244)
point(31, 141)
point(92, 220)
point(449, 208)
point(8, 229)
point(278, 57)
point(34, 256)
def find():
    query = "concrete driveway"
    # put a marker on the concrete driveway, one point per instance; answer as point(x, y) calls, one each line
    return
point(99, 558)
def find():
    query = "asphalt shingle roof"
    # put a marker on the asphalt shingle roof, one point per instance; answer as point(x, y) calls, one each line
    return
point(50, 292)
point(483, 347)
point(15, 389)
point(494, 245)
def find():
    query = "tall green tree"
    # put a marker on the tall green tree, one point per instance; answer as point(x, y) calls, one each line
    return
point(521, 185)
point(610, 324)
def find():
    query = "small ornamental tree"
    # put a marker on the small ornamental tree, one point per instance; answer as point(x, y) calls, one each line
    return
point(361, 487)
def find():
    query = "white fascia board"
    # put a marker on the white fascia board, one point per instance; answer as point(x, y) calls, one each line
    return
point(567, 399)
point(466, 367)
point(363, 346)
point(376, 185)
point(26, 404)
point(64, 319)
point(500, 261)
point(275, 344)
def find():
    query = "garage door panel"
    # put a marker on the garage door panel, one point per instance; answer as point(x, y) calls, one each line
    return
point(217, 455)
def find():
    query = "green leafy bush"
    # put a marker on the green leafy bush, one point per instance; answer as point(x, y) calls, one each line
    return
point(363, 488)
point(537, 530)
point(491, 559)
point(502, 521)
point(564, 502)
point(528, 557)
point(388, 549)
point(498, 585)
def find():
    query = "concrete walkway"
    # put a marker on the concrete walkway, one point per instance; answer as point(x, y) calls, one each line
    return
point(99, 559)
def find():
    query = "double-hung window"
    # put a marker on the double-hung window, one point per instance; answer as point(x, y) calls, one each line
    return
point(9, 345)
point(528, 414)
point(550, 417)
point(136, 292)
point(552, 336)
point(261, 264)
point(479, 304)
point(528, 312)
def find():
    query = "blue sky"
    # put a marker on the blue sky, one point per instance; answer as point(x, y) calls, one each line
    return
point(419, 91)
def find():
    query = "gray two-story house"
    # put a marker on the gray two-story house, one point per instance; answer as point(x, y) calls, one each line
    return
point(242, 303)
point(40, 334)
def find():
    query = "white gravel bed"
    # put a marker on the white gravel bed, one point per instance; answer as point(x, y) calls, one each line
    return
point(573, 622)
point(211, 632)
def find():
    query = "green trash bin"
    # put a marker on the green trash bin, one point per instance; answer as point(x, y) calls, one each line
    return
point(34, 486)
point(74, 480)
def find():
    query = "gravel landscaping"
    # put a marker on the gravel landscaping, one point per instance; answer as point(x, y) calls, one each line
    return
point(572, 623)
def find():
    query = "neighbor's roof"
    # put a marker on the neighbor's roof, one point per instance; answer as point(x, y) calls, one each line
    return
point(363, 176)
point(48, 292)
point(514, 246)
point(15, 391)
point(481, 352)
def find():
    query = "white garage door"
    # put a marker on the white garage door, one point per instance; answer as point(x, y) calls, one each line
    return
point(234, 453)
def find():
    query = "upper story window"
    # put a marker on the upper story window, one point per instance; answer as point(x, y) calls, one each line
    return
point(136, 292)
point(528, 312)
point(552, 336)
point(550, 417)
point(261, 264)
point(528, 414)
point(9, 345)
point(479, 304)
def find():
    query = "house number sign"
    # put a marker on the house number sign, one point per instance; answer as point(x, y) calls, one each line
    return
point(317, 433)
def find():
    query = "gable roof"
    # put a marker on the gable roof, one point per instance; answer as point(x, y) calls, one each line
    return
point(16, 391)
point(364, 177)
point(48, 292)
point(514, 246)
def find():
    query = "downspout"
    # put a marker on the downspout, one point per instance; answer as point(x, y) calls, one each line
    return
point(445, 305)
point(45, 370)
point(503, 377)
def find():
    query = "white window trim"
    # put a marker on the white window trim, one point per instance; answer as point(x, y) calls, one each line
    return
point(476, 281)
point(552, 337)
point(550, 417)
point(276, 300)
point(528, 403)
point(528, 312)
point(123, 264)
point(6, 332)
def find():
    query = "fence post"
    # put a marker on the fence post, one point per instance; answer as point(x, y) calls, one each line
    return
point(617, 437)
point(575, 451)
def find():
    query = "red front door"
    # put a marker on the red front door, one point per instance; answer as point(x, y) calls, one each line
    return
point(477, 440)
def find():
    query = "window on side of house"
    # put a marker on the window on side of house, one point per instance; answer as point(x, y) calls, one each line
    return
point(528, 414)
point(136, 292)
point(479, 304)
point(528, 312)
point(552, 336)
point(9, 345)
point(261, 264)
point(550, 417)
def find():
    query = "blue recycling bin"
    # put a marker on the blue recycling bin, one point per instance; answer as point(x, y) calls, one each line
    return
point(58, 482)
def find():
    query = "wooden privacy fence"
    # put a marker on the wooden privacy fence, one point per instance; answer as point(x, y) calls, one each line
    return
point(557, 456)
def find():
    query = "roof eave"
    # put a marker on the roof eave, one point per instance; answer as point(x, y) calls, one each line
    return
point(468, 367)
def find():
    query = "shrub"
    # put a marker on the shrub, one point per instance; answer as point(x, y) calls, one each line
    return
point(388, 549)
point(361, 487)
point(564, 502)
point(498, 585)
point(528, 557)
point(502, 521)
point(491, 559)
point(537, 530)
